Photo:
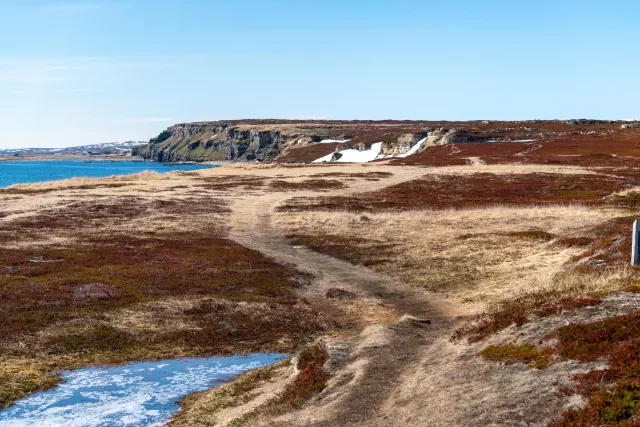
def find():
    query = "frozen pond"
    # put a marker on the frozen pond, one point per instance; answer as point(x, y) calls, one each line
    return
point(138, 394)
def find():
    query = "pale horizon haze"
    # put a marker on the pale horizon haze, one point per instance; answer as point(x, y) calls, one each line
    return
point(87, 72)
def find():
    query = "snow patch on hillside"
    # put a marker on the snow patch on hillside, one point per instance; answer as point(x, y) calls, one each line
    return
point(354, 156)
point(330, 141)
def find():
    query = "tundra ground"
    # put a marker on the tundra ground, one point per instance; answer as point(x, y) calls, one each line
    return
point(412, 295)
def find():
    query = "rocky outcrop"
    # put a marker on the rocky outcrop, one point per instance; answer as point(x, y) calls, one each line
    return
point(631, 125)
point(402, 145)
point(431, 137)
point(197, 142)
point(576, 122)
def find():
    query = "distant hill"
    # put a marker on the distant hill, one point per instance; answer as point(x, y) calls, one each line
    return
point(87, 150)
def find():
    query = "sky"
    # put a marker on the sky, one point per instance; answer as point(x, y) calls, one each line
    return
point(82, 71)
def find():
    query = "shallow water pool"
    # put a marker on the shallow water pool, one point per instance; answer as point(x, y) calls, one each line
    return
point(138, 394)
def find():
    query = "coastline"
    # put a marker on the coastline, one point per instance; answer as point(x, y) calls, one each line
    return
point(53, 157)
point(112, 158)
point(40, 170)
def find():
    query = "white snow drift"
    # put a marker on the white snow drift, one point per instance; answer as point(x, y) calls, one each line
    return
point(354, 156)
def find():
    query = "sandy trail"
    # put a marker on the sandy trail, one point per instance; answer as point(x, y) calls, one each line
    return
point(372, 363)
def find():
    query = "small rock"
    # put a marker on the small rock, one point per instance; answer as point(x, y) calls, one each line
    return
point(93, 291)
point(365, 219)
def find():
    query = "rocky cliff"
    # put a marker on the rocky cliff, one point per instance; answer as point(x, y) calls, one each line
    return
point(307, 140)
point(199, 142)
point(430, 137)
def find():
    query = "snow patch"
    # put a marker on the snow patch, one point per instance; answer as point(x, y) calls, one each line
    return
point(354, 156)
point(330, 141)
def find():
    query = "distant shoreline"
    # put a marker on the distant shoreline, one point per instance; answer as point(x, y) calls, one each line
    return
point(40, 157)
point(106, 158)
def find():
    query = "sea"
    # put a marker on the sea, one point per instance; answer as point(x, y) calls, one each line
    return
point(26, 171)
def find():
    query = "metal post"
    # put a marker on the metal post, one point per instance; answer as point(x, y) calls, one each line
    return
point(635, 243)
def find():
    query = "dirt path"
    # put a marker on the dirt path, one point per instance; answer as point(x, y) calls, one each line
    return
point(371, 364)
point(251, 226)
point(394, 368)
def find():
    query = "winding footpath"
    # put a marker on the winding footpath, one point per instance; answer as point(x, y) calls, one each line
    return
point(369, 365)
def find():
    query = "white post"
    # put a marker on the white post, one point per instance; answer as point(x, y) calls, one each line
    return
point(635, 243)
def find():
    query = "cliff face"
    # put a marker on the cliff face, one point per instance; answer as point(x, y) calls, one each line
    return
point(266, 141)
point(198, 142)
point(430, 137)
point(307, 140)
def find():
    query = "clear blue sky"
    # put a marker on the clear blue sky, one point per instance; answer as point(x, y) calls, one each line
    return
point(76, 72)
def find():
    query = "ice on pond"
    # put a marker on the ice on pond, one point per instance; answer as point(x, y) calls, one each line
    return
point(138, 394)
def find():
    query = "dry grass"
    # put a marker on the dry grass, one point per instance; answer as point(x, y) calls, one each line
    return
point(480, 254)
point(471, 190)
point(205, 408)
point(19, 380)
point(309, 184)
point(258, 394)
point(563, 291)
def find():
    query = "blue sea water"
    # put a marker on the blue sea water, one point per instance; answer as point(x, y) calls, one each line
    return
point(138, 394)
point(23, 172)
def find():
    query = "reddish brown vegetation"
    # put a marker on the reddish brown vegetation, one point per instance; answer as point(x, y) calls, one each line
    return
point(311, 380)
point(618, 149)
point(88, 216)
point(614, 394)
point(39, 286)
point(341, 294)
point(533, 235)
point(468, 191)
point(611, 245)
point(32, 191)
point(227, 182)
point(309, 184)
point(307, 154)
point(364, 133)
point(572, 242)
point(519, 311)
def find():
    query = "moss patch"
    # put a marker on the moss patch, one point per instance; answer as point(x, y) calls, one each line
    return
point(512, 353)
